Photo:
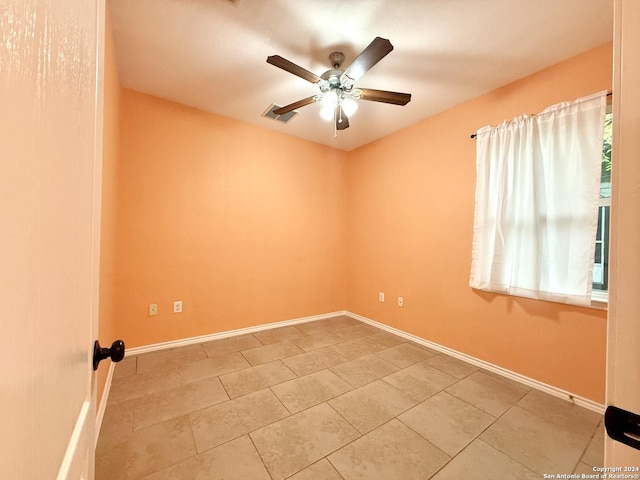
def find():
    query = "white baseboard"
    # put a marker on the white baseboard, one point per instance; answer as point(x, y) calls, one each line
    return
point(229, 333)
point(103, 400)
point(75, 461)
point(530, 382)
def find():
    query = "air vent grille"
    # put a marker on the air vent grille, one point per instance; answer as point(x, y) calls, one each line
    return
point(278, 118)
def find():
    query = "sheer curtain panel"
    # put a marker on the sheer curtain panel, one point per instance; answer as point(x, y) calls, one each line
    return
point(536, 211)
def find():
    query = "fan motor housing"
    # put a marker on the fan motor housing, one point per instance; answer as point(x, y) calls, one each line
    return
point(332, 76)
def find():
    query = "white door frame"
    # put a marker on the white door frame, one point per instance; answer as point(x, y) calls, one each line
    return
point(623, 339)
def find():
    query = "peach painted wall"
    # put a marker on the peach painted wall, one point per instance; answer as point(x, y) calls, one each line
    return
point(246, 226)
point(410, 221)
point(106, 315)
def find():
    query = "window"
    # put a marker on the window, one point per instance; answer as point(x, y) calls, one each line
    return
point(601, 256)
point(534, 215)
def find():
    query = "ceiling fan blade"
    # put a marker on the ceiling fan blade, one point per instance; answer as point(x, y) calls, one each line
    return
point(291, 67)
point(342, 122)
point(371, 55)
point(385, 96)
point(293, 106)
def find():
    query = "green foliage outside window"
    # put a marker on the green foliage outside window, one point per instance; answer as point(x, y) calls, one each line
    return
point(606, 149)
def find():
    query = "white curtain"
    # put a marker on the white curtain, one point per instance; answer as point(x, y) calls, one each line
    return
point(538, 180)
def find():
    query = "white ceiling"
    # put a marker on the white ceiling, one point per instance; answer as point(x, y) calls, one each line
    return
point(211, 54)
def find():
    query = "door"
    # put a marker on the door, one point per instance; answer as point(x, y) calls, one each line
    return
point(50, 122)
point(623, 350)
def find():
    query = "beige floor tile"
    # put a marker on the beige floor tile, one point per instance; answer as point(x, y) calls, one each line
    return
point(431, 351)
point(487, 393)
point(536, 441)
point(312, 328)
point(276, 335)
point(450, 365)
point(342, 321)
point(310, 390)
point(296, 442)
point(236, 460)
point(370, 406)
point(594, 455)
point(357, 348)
point(227, 345)
point(271, 352)
point(387, 339)
point(145, 451)
point(480, 461)
point(356, 331)
point(126, 367)
point(404, 355)
point(135, 386)
point(158, 407)
point(560, 412)
point(447, 422)
point(317, 340)
point(253, 379)
point(220, 423)
point(211, 367)
point(420, 381)
point(392, 451)
point(321, 470)
point(584, 469)
point(117, 421)
point(363, 370)
point(170, 357)
point(313, 361)
point(505, 379)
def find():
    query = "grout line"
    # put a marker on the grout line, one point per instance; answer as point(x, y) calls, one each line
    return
point(593, 435)
point(224, 387)
point(280, 401)
point(193, 436)
point(334, 467)
point(260, 456)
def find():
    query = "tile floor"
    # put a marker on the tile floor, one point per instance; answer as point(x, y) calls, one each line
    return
point(330, 400)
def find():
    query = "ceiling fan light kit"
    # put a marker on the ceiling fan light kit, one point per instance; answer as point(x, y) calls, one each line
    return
point(337, 93)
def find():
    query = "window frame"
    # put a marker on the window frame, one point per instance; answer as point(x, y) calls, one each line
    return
point(600, 297)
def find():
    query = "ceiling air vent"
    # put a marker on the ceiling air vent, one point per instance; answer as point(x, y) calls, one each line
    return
point(278, 118)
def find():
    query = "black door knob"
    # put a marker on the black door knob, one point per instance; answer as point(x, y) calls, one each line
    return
point(116, 352)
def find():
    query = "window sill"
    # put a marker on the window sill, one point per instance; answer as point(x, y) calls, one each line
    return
point(599, 299)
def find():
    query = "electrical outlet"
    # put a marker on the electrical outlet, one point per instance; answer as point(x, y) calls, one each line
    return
point(153, 309)
point(177, 306)
point(400, 302)
point(381, 296)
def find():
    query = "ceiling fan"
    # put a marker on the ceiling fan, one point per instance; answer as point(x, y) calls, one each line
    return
point(337, 91)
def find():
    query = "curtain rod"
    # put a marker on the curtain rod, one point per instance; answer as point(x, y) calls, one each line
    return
point(474, 135)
